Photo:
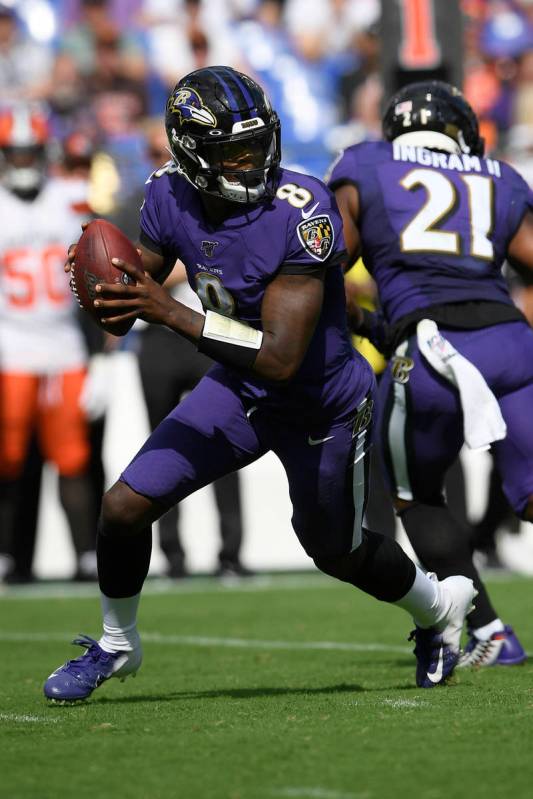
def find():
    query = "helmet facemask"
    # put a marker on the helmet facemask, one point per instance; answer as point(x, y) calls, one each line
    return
point(238, 167)
point(23, 170)
point(24, 137)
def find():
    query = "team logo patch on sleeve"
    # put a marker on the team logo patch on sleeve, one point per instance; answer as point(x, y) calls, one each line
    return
point(317, 236)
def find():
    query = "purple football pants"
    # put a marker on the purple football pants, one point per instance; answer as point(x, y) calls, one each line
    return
point(214, 431)
point(420, 429)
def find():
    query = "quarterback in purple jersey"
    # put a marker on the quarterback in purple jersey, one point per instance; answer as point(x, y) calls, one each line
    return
point(262, 247)
point(434, 221)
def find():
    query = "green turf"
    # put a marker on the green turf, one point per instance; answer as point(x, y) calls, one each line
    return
point(221, 720)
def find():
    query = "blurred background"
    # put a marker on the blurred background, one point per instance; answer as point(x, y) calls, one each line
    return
point(100, 71)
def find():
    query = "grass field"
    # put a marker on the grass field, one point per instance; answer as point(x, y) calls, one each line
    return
point(290, 687)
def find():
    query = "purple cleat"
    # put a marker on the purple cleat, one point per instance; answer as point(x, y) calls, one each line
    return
point(501, 649)
point(437, 649)
point(78, 678)
point(435, 660)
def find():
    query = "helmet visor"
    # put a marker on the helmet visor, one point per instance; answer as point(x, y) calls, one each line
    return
point(246, 153)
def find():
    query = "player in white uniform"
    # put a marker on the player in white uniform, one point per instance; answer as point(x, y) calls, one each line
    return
point(43, 360)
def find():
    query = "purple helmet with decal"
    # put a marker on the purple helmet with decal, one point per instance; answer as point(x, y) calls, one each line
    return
point(224, 135)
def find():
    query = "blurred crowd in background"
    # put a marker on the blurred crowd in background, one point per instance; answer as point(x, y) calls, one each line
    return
point(104, 69)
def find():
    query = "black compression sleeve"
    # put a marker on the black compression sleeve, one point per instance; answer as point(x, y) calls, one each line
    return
point(227, 354)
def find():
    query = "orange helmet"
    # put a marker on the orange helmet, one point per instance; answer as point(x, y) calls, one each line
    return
point(24, 135)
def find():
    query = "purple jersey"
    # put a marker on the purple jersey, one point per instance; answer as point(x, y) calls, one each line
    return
point(230, 264)
point(434, 226)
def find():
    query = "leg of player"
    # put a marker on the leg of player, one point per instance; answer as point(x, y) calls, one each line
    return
point(185, 452)
point(124, 543)
point(421, 434)
point(513, 458)
point(447, 551)
point(337, 468)
point(380, 567)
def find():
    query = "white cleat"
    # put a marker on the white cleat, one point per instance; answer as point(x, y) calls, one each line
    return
point(459, 592)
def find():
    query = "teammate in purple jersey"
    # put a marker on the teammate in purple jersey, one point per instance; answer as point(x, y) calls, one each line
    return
point(262, 247)
point(434, 221)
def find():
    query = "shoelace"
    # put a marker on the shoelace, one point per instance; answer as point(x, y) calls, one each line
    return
point(93, 650)
point(426, 642)
point(480, 651)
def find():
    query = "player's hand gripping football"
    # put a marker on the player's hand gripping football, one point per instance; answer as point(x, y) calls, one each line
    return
point(71, 254)
point(145, 300)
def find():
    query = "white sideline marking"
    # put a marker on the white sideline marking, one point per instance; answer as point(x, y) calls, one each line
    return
point(27, 719)
point(232, 643)
point(196, 585)
point(402, 703)
point(164, 585)
point(318, 793)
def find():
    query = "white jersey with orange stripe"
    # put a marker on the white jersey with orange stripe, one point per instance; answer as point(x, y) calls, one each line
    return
point(39, 332)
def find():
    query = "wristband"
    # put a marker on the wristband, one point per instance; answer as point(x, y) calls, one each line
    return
point(229, 341)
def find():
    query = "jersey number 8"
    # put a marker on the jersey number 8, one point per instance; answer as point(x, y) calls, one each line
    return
point(213, 295)
point(295, 195)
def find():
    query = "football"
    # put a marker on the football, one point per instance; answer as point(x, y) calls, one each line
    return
point(99, 243)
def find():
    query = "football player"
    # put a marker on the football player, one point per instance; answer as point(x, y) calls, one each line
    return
point(42, 352)
point(263, 248)
point(435, 220)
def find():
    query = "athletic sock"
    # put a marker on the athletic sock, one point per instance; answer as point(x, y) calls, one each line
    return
point(443, 546)
point(120, 624)
point(425, 601)
point(485, 632)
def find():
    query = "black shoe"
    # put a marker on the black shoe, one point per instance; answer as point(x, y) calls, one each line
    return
point(490, 559)
point(19, 578)
point(176, 570)
point(81, 576)
point(233, 568)
point(86, 568)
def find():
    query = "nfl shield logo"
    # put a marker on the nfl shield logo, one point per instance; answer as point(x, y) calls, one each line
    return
point(208, 248)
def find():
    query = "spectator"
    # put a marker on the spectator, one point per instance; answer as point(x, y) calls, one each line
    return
point(183, 36)
point(25, 65)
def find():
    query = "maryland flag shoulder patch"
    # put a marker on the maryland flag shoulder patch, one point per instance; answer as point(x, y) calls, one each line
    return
point(316, 236)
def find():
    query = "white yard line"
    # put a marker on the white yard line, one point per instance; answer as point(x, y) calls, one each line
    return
point(215, 641)
point(317, 793)
point(26, 718)
point(401, 704)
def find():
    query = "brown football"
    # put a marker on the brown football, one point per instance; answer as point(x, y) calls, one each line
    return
point(99, 243)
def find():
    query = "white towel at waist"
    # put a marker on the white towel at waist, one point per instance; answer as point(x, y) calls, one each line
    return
point(482, 419)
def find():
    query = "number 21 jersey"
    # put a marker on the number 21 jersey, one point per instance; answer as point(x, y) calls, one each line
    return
point(434, 226)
